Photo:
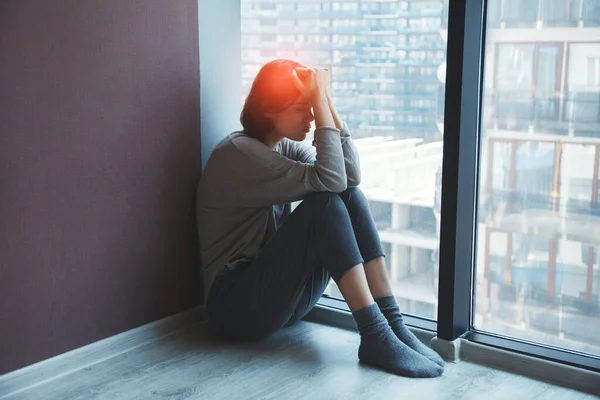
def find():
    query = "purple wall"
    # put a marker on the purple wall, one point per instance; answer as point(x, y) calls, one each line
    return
point(99, 160)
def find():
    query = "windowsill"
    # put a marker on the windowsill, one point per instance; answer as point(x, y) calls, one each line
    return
point(335, 306)
point(336, 313)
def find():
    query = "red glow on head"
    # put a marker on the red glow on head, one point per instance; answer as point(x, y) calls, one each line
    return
point(273, 90)
point(274, 85)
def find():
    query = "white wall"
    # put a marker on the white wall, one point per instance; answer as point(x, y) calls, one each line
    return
point(219, 26)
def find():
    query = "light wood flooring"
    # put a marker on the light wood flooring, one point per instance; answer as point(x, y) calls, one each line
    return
point(306, 361)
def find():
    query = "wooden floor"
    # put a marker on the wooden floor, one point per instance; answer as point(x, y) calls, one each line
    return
point(306, 361)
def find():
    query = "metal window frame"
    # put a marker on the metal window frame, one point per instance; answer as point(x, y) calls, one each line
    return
point(460, 184)
point(460, 172)
point(539, 350)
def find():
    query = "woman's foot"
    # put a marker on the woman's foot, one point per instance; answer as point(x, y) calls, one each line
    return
point(391, 311)
point(380, 347)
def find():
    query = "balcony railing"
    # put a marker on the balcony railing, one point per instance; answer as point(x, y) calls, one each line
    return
point(544, 13)
point(576, 113)
point(523, 200)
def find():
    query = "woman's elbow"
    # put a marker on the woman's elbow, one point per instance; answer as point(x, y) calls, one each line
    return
point(338, 185)
point(355, 179)
point(335, 181)
point(342, 187)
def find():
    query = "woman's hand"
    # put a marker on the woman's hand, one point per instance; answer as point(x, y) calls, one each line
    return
point(313, 83)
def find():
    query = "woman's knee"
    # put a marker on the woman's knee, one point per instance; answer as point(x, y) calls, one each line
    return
point(352, 189)
point(321, 200)
point(353, 194)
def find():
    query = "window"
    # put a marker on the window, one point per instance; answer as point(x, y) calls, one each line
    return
point(286, 38)
point(251, 41)
point(582, 88)
point(593, 71)
point(428, 23)
point(343, 40)
point(319, 39)
point(267, 22)
point(527, 79)
point(515, 66)
point(266, 6)
point(584, 67)
point(286, 7)
point(345, 6)
point(264, 38)
point(537, 273)
point(308, 6)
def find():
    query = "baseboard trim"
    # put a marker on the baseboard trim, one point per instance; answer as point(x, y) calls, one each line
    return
point(45, 371)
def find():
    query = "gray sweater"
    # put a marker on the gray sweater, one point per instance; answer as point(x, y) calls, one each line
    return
point(246, 189)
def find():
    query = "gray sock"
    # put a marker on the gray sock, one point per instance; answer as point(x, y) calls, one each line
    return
point(380, 347)
point(389, 308)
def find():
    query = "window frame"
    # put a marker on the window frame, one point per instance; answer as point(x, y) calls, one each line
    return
point(460, 185)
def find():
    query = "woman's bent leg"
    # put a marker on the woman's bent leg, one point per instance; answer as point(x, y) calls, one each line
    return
point(376, 270)
point(363, 224)
point(368, 241)
point(313, 290)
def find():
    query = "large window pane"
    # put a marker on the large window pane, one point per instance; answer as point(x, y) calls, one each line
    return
point(388, 66)
point(537, 265)
point(596, 203)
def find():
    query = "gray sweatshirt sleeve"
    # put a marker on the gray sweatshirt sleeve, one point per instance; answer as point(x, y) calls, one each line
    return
point(351, 159)
point(306, 154)
point(261, 177)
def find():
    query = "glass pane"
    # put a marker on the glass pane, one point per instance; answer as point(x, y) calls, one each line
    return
point(514, 80)
point(597, 198)
point(582, 94)
point(547, 71)
point(388, 67)
point(537, 261)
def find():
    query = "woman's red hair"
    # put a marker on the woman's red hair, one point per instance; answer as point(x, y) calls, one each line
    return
point(272, 91)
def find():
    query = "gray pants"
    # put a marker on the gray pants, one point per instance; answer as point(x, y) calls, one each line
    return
point(325, 236)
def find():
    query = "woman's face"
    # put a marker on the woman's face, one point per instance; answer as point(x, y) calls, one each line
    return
point(294, 121)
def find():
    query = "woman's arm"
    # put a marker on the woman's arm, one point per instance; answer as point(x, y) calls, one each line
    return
point(307, 154)
point(351, 158)
point(336, 117)
point(245, 173)
point(316, 85)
